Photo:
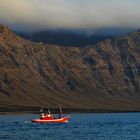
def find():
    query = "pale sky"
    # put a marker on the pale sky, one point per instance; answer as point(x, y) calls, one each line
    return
point(75, 14)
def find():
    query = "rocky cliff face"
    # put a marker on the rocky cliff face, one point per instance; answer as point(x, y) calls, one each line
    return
point(104, 76)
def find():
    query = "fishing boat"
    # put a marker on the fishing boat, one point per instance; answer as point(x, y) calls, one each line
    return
point(49, 118)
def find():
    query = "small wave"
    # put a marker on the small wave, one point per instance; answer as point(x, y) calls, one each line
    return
point(27, 122)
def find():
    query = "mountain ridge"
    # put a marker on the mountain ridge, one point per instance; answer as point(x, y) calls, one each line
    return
point(77, 37)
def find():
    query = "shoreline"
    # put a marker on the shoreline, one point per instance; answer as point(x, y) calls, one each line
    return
point(36, 110)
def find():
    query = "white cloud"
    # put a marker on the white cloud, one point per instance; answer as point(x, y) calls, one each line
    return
point(41, 14)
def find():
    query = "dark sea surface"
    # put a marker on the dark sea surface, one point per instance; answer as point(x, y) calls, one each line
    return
point(94, 126)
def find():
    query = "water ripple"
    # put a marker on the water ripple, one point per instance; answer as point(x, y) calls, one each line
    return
point(102, 126)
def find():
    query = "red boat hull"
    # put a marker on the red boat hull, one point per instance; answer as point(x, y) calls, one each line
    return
point(61, 120)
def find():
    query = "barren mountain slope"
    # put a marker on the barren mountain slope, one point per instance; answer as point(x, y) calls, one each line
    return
point(105, 76)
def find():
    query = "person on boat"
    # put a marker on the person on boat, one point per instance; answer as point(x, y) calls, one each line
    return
point(42, 116)
point(47, 116)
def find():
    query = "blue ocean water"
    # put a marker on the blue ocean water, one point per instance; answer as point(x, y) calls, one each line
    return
point(94, 126)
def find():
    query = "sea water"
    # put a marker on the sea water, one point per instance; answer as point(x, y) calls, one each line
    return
point(92, 126)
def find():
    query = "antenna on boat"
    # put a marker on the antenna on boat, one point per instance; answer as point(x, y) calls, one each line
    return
point(60, 111)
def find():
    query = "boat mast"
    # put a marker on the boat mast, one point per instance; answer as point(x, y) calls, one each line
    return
point(49, 112)
point(60, 111)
